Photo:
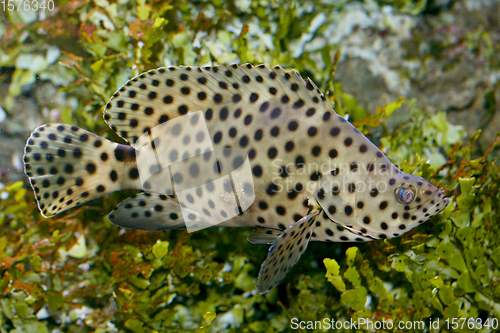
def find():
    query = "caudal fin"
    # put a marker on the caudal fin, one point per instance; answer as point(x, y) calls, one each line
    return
point(68, 166)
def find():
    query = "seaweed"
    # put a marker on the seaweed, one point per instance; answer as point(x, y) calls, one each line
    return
point(79, 273)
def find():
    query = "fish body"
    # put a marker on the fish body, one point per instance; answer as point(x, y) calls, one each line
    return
point(239, 146)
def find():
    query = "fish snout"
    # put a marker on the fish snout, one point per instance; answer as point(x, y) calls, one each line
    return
point(440, 202)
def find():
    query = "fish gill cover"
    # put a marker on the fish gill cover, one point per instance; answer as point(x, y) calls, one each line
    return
point(79, 273)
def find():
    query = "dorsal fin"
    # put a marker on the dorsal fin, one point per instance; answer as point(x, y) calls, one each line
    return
point(154, 97)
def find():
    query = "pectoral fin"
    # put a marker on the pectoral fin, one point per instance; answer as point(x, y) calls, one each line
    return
point(264, 235)
point(285, 252)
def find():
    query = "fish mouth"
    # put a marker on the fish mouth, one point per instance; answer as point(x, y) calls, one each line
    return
point(440, 203)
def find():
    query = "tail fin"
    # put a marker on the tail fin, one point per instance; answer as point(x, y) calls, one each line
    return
point(68, 166)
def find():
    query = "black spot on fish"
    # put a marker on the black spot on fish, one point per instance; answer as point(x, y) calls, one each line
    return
point(124, 153)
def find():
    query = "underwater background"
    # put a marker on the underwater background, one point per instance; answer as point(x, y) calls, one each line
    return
point(420, 78)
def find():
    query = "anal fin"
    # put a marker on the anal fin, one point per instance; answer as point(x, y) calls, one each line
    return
point(285, 252)
point(148, 211)
point(153, 211)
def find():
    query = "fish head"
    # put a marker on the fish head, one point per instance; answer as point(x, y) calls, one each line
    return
point(379, 206)
point(417, 199)
point(397, 205)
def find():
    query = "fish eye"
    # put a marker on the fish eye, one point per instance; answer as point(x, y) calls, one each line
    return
point(405, 195)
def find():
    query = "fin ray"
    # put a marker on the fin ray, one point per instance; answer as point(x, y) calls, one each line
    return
point(264, 235)
point(285, 252)
point(68, 166)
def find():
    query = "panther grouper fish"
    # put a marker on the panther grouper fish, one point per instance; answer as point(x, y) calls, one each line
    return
point(313, 176)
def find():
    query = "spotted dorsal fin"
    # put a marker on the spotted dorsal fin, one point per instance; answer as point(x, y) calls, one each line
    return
point(157, 96)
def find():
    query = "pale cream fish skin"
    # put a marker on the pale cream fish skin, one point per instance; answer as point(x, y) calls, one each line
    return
point(261, 145)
